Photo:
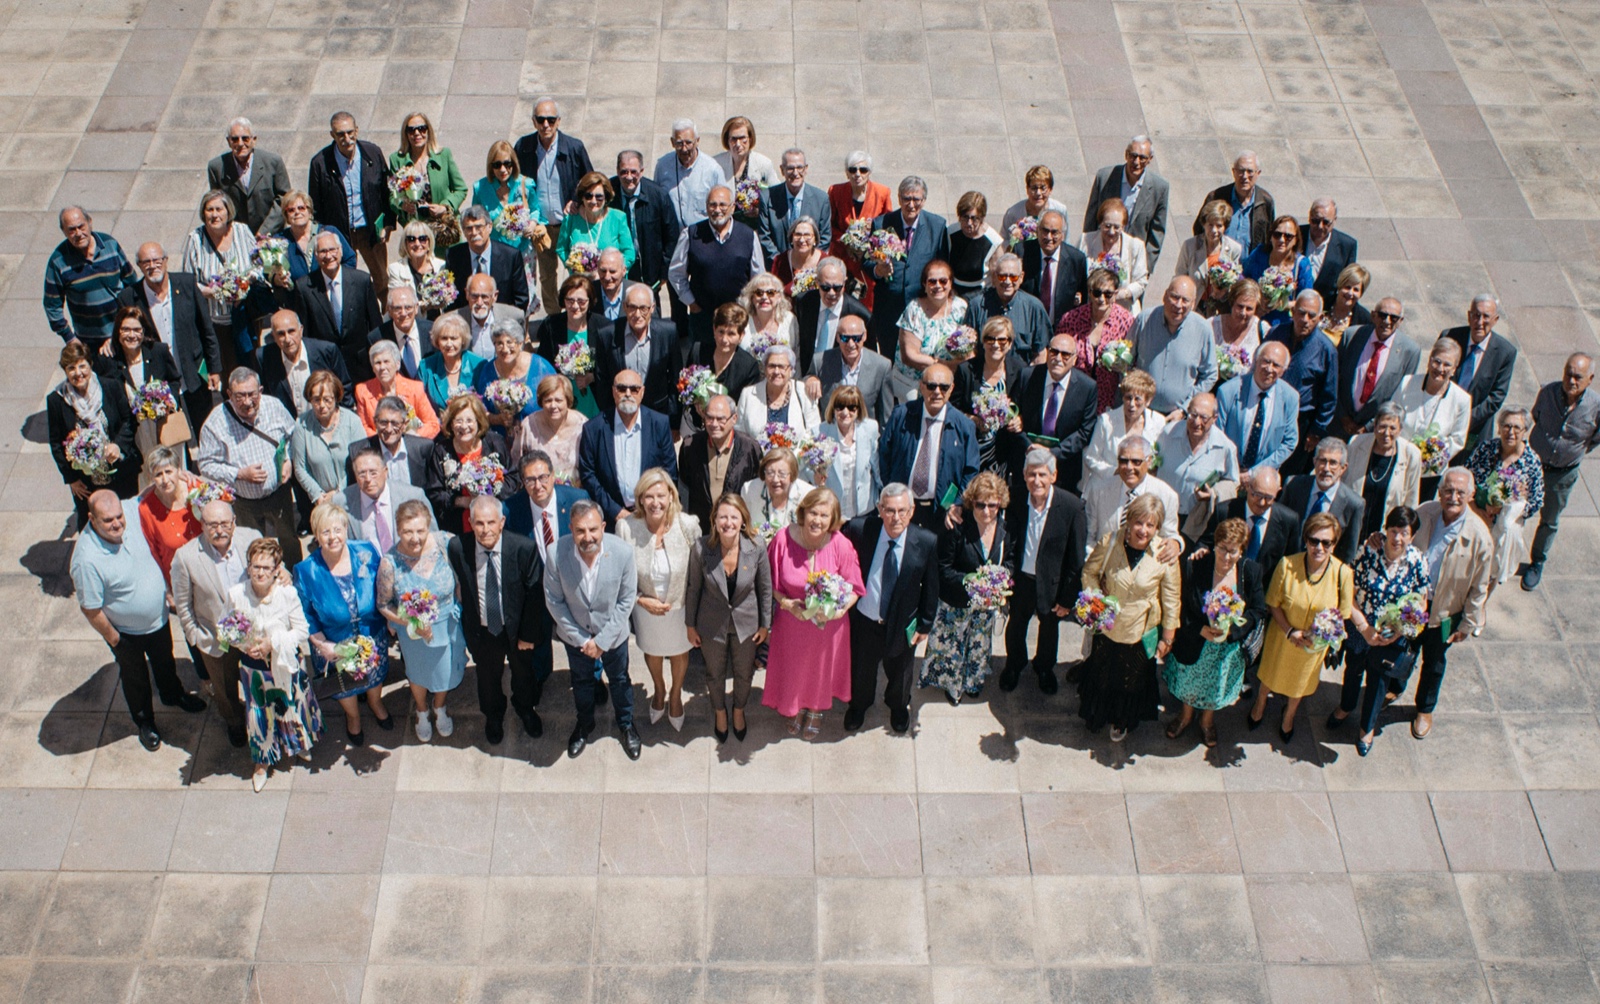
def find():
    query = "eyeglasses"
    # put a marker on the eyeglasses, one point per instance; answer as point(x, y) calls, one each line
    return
point(852, 339)
point(1103, 294)
point(971, 218)
point(1321, 543)
point(344, 133)
point(858, 170)
point(503, 163)
point(831, 287)
point(416, 128)
point(416, 239)
point(219, 524)
point(937, 388)
point(1384, 315)
point(1131, 461)
point(1263, 497)
point(547, 119)
point(628, 388)
point(538, 479)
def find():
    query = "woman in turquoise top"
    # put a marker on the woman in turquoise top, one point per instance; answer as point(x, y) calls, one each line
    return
point(511, 362)
point(446, 189)
point(436, 650)
point(502, 185)
point(594, 224)
point(451, 370)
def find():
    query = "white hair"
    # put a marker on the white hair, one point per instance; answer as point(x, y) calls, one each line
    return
point(1038, 456)
point(242, 121)
point(685, 125)
point(861, 157)
point(383, 348)
point(893, 490)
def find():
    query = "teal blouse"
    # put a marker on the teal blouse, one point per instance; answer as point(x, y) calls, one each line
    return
point(611, 232)
point(437, 385)
point(486, 193)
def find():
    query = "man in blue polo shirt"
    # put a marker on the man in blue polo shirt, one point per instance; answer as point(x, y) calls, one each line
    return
point(82, 279)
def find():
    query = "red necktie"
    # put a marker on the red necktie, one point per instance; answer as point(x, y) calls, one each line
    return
point(1369, 383)
point(549, 533)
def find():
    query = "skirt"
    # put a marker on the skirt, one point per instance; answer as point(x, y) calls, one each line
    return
point(661, 635)
point(1213, 682)
point(436, 666)
point(960, 648)
point(281, 717)
point(1509, 548)
point(1117, 685)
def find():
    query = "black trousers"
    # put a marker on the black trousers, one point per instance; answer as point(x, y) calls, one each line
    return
point(868, 641)
point(273, 516)
point(1025, 607)
point(615, 665)
point(491, 653)
point(139, 657)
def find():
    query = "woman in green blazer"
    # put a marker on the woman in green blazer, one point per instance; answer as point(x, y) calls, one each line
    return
point(593, 224)
point(446, 188)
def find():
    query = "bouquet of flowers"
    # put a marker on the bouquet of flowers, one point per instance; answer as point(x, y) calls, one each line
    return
point(413, 422)
point(234, 629)
point(1113, 263)
point(818, 453)
point(508, 395)
point(857, 238)
point(1231, 361)
point(768, 530)
point(409, 183)
point(203, 493)
point(697, 385)
point(988, 587)
point(959, 344)
point(871, 246)
point(1435, 453)
point(1117, 356)
point(230, 286)
point(804, 281)
point(763, 342)
point(583, 258)
point(419, 607)
point(781, 434)
point(1277, 288)
point(1095, 610)
point(154, 400)
point(272, 256)
point(1327, 630)
point(1224, 608)
point(86, 448)
point(1025, 229)
point(575, 359)
point(1224, 273)
point(514, 222)
point(826, 596)
point(746, 197)
point(437, 290)
point(1502, 486)
point(482, 476)
point(1406, 616)
point(356, 657)
point(1155, 457)
point(991, 410)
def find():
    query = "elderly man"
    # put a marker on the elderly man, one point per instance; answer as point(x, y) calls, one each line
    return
point(1313, 372)
point(1142, 190)
point(1259, 412)
point(897, 283)
point(1324, 490)
point(1195, 457)
point(1048, 530)
point(253, 180)
point(618, 445)
point(719, 459)
point(1107, 498)
point(290, 358)
point(1253, 210)
point(1030, 322)
point(716, 255)
point(1566, 428)
point(244, 445)
point(818, 311)
point(542, 510)
point(1274, 527)
point(483, 314)
point(1330, 251)
point(413, 334)
point(592, 586)
point(651, 219)
point(931, 447)
point(851, 364)
point(124, 598)
point(337, 305)
point(175, 306)
point(555, 161)
point(1487, 361)
point(686, 176)
point(1053, 270)
point(784, 205)
point(404, 455)
point(611, 276)
point(1373, 359)
point(1174, 345)
point(82, 280)
point(203, 570)
point(371, 499)
point(1056, 402)
point(348, 182)
point(477, 254)
point(646, 344)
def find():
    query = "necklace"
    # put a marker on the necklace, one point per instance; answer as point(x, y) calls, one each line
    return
point(1320, 575)
point(1376, 475)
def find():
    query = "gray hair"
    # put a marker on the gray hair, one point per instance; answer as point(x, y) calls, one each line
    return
point(548, 100)
point(383, 348)
point(1038, 456)
point(634, 155)
point(894, 490)
point(483, 502)
point(782, 350)
point(1308, 295)
point(74, 208)
point(1333, 446)
point(909, 182)
point(1139, 441)
point(401, 291)
point(1488, 298)
point(475, 212)
point(506, 328)
point(805, 219)
point(1326, 203)
point(1249, 155)
point(733, 408)
point(535, 457)
point(858, 157)
point(1390, 409)
point(1523, 413)
point(831, 262)
point(242, 121)
point(391, 402)
point(448, 323)
point(1472, 482)
point(161, 456)
point(794, 150)
point(1139, 139)
point(336, 116)
point(1008, 259)
point(684, 125)
point(240, 374)
point(582, 508)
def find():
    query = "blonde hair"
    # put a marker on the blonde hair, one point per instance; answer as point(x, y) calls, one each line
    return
point(648, 480)
point(1138, 382)
point(781, 308)
point(1143, 506)
point(433, 140)
point(325, 514)
point(553, 384)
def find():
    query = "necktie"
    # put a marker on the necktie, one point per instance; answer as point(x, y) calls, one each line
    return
point(794, 207)
point(410, 355)
point(1321, 504)
point(1047, 285)
point(1464, 378)
point(1369, 383)
point(1127, 500)
point(491, 600)
point(922, 477)
point(381, 523)
point(1257, 529)
point(889, 574)
point(482, 267)
point(1052, 408)
point(549, 532)
point(336, 301)
point(1252, 445)
point(825, 331)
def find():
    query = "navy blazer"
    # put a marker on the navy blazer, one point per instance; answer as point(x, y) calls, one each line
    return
point(323, 356)
point(1341, 254)
point(655, 230)
point(1075, 421)
point(1071, 277)
point(505, 266)
point(610, 342)
point(326, 189)
point(572, 161)
point(1348, 508)
point(194, 340)
point(1491, 380)
point(358, 315)
point(773, 223)
point(597, 458)
point(916, 589)
point(385, 333)
point(958, 449)
point(519, 511)
point(931, 241)
point(807, 308)
point(1313, 371)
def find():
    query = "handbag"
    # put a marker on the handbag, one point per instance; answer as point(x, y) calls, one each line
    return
point(174, 429)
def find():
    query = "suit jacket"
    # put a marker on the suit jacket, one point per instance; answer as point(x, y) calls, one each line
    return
point(660, 376)
point(807, 308)
point(1491, 380)
point(597, 458)
point(350, 501)
point(158, 365)
point(323, 356)
point(572, 161)
point(1403, 357)
point(958, 450)
point(505, 266)
point(655, 229)
point(694, 470)
point(551, 333)
point(326, 188)
point(804, 413)
point(1261, 216)
point(872, 380)
point(519, 511)
point(199, 594)
point(706, 606)
point(890, 296)
point(385, 333)
point(522, 585)
point(1341, 254)
point(1281, 537)
point(1150, 592)
point(772, 226)
point(606, 618)
point(1071, 277)
point(1075, 421)
point(1148, 221)
point(1404, 482)
point(358, 315)
point(269, 181)
point(1280, 431)
point(676, 543)
point(1462, 590)
point(1058, 566)
point(961, 552)
point(916, 587)
point(1198, 574)
point(194, 340)
point(418, 452)
point(1347, 507)
point(868, 482)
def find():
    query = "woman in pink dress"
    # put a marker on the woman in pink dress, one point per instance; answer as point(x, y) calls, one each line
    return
point(808, 667)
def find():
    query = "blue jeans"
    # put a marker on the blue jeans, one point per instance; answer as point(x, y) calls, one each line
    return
point(1558, 485)
point(1376, 667)
point(615, 665)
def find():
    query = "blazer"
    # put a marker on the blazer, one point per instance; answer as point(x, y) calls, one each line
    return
point(1280, 430)
point(1148, 221)
point(1075, 421)
point(1281, 537)
point(326, 188)
point(258, 207)
point(418, 452)
point(772, 224)
point(358, 315)
point(1404, 483)
point(606, 619)
point(437, 483)
point(655, 229)
point(872, 379)
point(742, 370)
point(961, 552)
point(1403, 357)
point(694, 471)
point(866, 454)
point(1347, 507)
point(1340, 255)
point(1150, 592)
point(807, 308)
point(1058, 565)
point(803, 413)
point(916, 588)
point(879, 200)
point(322, 355)
point(194, 340)
point(1197, 576)
point(677, 542)
point(437, 384)
point(158, 365)
point(1071, 277)
point(572, 161)
point(446, 186)
point(958, 450)
point(385, 333)
point(522, 589)
point(551, 334)
point(1462, 589)
point(370, 392)
point(350, 501)
point(660, 376)
point(1262, 213)
point(706, 606)
point(890, 296)
point(200, 597)
point(969, 377)
point(519, 511)
point(597, 458)
point(505, 266)
point(1491, 379)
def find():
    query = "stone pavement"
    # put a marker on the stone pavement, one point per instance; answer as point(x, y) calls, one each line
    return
point(1001, 851)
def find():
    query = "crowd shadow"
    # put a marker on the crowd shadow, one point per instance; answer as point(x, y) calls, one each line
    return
point(36, 428)
point(50, 561)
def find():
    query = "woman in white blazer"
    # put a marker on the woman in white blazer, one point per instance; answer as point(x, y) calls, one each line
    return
point(1127, 254)
point(777, 398)
point(853, 474)
point(416, 262)
point(1115, 424)
point(1435, 404)
point(662, 535)
point(1385, 468)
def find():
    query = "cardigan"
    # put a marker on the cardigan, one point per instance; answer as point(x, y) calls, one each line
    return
point(319, 466)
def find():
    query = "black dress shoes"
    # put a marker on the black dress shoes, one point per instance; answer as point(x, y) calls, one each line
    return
point(355, 738)
point(236, 737)
point(721, 734)
point(899, 720)
point(386, 723)
point(1047, 681)
point(630, 742)
point(494, 730)
point(1531, 577)
point(853, 719)
point(532, 724)
point(577, 741)
point(149, 738)
point(188, 702)
point(1009, 678)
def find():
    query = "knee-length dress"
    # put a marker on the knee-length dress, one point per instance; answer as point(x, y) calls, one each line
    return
point(281, 716)
point(1286, 668)
point(808, 666)
point(437, 665)
point(342, 607)
point(961, 646)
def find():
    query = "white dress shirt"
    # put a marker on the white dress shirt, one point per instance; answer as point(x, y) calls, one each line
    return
point(539, 516)
point(483, 575)
point(298, 372)
point(1030, 542)
point(411, 349)
point(1108, 497)
point(678, 268)
point(871, 602)
point(827, 325)
point(160, 309)
point(398, 463)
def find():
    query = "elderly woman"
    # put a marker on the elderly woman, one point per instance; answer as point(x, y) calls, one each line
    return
point(772, 318)
point(798, 265)
point(924, 325)
point(165, 516)
point(662, 535)
point(282, 715)
point(338, 587)
point(451, 370)
point(1206, 669)
point(809, 662)
point(1438, 413)
point(504, 184)
point(555, 428)
point(1111, 248)
point(594, 226)
point(852, 476)
point(1198, 255)
point(435, 650)
point(387, 382)
point(419, 262)
point(1385, 468)
point(301, 230)
point(1040, 184)
point(728, 608)
point(1134, 418)
point(217, 246)
point(139, 357)
point(1095, 325)
point(1117, 684)
point(739, 159)
point(858, 197)
point(962, 642)
point(734, 368)
point(511, 364)
point(996, 369)
point(442, 188)
point(1346, 308)
point(577, 322)
point(974, 245)
point(774, 497)
point(778, 400)
point(82, 402)
point(319, 446)
point(469, 459)
point(1238, 329)
point(1510, 489)
point(1280, 269)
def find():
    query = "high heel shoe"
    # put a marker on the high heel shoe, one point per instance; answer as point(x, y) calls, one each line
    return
point(1335, 722)
point(1287, 737)
point(676, 721)
point(721, 734)
point(1254, 723)
point(656, 713)
point(740, 731)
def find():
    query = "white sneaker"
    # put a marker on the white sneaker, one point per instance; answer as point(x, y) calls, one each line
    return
point(424, 727)
point(443, 722)
point(1117, 735)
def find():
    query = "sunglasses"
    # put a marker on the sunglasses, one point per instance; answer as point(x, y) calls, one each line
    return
point(937, 282)
point(1103, 294)
point(1384, 315)
point(830, 287)
point(1131, 461)
point(416, 128)
point(1322, 543)
point(595, 197)
point(1007, 277)
point(938, 388)
point(997, 341)
point(852, 339)
point(858, 170)
point(629, 388)
point(503, 163)
point(986, 505)
point(547, 119)
point(416, 239)
point(1281, 236)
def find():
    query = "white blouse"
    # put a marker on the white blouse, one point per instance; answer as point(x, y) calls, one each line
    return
point(1451, 411)
point(1110, 429)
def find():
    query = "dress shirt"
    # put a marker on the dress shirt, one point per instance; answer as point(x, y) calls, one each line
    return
point(1255, 398)
point(411, 350)
point(1130, 193)
point(1059, 388)
point(159, 306)
point(678, 268)
point(1562, 437)
point(590, 581)
point(1318, 253)
point(1052, 263)
point(827, 326)
point(688, 187)
point(548, 181)
point(1186, 469)
point(372, 509)
point(717, 461)
point(636, 351)
point(1322, 499)
point(628, 446)
point(482, 342)
point(611, 308)
point(1182, 362)
point(297, 373)
point(230, 567)
point(795, 209)
point(1239, 226)
point(872, 603)
point(1030, 542)
point(932, 437)
point(226, 447)
point(350, 177)
point(245, 169)
point(1440, 543)
point(629, 201)
point(852, 374)
point(1358, 378)
point(539, 516)
point(483, 573)
point(336, 296)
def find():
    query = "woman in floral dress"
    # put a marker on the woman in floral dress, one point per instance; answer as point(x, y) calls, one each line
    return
point(962, 642)
point(282, 717)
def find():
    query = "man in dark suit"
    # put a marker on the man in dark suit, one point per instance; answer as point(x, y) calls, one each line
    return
point(406, 456)
point(1048, 530)
point(253, 180)
point(651, 219)
point(900, 566)
point(1487, 361)
point(413, 334)
point(897, 283)
point(1057, 403)
point(1330, 250)
point(362, 222)
point(1373, 359)
point(478, 253)
point(738, 458)
point(503, 615)
point(817, 313)
point(173, 301)
point(1142, 190)
point(617, 446)
point(783, 205)
point(1052, 270)
point(1253, 208)
point(555, 161)
point(541, 500)
point(1274, 527)
point(645, 344)
point(1030, 322)
point(930, 446)
point(338, 305)
point(851, 362)
point(290, 359)
point(1324, 490)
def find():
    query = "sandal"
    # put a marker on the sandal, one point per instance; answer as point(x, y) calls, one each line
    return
point(1178, 727)
point(813, 724)
point(1208, 736)
point(796, 723)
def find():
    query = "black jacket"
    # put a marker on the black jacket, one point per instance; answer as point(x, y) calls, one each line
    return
point(660, 377)
point(916, 589)
point(194, 340)
point(694, 469)
point(326, 188)
point(742, 370)
point(322, 355)
point(1058, 567)
point(1281, 537)
point(521, 589)
point(807, 307)
point(961, 552)
point(1197, 575)
point(419, 451)
point(655, 229)
point(572, 161)
point(551, 333)
point(358, 315)
point(505, 267)
point(1075, 419)
point(158, 365)
point(385, 333)
point(437, 483)
point(60, 420)
point(1071, 278)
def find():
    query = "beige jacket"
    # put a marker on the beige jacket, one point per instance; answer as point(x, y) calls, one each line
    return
point(1150, 593)
point(1404, 483)
point(677, 543)
point(1463, 586)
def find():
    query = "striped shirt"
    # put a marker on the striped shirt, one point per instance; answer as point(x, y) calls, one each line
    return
point(227, 446)
point(86, 289)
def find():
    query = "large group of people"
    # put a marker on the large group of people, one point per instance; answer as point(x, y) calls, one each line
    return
point(801, 431)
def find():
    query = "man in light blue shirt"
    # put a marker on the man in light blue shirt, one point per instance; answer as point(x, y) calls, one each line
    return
point(627, 436)
point(1173, 344)
point(687, 176)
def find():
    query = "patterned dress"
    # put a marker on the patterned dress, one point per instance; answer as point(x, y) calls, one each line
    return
point(930, 334)
point(437, 665)
point(1527, 490)
point(1078, 322)
point(961, 645)
point(282, 718)
point(342, 607)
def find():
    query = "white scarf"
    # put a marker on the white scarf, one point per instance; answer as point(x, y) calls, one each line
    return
point(90, 406)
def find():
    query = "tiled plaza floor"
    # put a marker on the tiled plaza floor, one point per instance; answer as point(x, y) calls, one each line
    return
point(1000, 852)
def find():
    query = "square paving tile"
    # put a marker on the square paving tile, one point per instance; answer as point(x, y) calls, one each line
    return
point(867, 835)
point(517, 928)
point(653, 835)
point(980, 921)
point(547, 834)
point(209, 916)
point(1183, 833)
point(1199, 919)
point(1387, 831)
point(318, 918)
point(441, 833)
point(1489, 831)
point(1073, 834)
point(1412, 917)
point(1090, 919)
point(761, 920)
point(1307, 919)
point(1516, 916)
point(760, 835)
point(99, 915)
point(1285, 832)
point(429, 919)
point(872, 921)
point(973, 835)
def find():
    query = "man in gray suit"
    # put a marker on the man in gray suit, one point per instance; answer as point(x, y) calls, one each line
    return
point(591, 587)
point(1142, 190)
point(253, 180)
point(782, 206)
point(483, 315)
point(851, 363)
point(203, 570)
point(372, 500)
point(1373, 359)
